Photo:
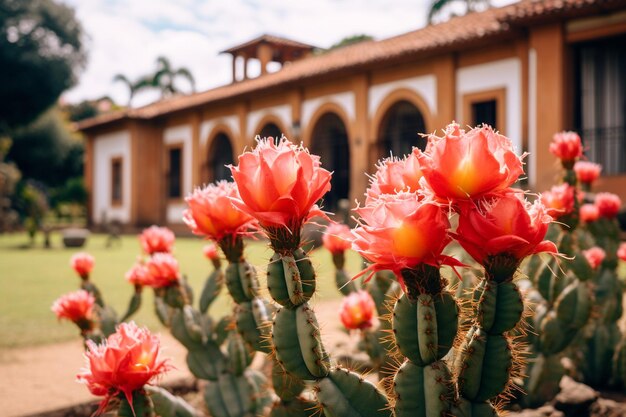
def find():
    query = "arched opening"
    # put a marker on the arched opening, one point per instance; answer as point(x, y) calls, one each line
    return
point(329, 140)
point(400, 130)
point(220, 155)
point(270, 129)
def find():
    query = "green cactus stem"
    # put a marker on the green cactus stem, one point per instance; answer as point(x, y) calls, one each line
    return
point(142, 406)
point(253, 313)
point(489, 356)
point(297, 343)
point(425, 324)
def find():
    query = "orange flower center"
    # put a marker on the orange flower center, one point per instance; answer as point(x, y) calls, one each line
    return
point(408, 241)
point(465, 177)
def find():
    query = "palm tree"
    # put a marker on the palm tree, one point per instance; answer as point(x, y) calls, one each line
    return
point(437, 6)
point(162, 79)
point(165, 77)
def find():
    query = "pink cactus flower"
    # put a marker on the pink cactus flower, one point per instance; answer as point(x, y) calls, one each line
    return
point(394, 175)
point(463, 165)
point(279, 185)
point(559, 201)
point(587, 172)
point(621, 251)
point(211, 252)
point(506, 224)
point(589, 213)
point(357, 310)
point(337, 238)
point(157, 239)
point(400, 231)
point(129, 359)
point(211, 212)
point(82, 263)
point(567, 146)
point(139, 275)
point(75, 306)
point(608, 204)
point(163, 270)
point(595, 256)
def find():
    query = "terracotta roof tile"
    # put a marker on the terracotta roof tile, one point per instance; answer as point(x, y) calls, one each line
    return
point(453, 33)
point(272, 39)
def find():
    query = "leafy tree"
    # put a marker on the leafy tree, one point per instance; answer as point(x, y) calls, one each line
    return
point(41, 53)
point(89, 108)
point(163, 79)
point(9, 177)
point(351, 40)
point(47, 151)
point(438, 7)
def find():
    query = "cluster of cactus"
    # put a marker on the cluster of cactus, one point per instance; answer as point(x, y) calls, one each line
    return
point(446, 344)
point(578, 301)
point(216, 351)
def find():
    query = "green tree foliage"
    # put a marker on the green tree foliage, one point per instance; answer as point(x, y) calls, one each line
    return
point(41, 52)
point(47, 151)
point(163, 79)
point(351, 40)
point(9, 177)
point(442, 9)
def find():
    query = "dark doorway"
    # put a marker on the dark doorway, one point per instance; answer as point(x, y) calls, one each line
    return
point(330, 142)
point(400, 130)
point(220, 155)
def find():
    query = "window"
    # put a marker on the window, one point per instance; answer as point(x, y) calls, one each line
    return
point(485, 107)
point(116, 181)
point(174, 173)
point(485, 112)
point(600, 101)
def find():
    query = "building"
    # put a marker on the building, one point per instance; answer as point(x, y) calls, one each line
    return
point(530, 69)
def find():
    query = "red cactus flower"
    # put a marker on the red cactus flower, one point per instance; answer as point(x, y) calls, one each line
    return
point(337, 238)
point(595, 256)
point(589, 213)
point(211, 252)
point(394, 175)
point(567, 146)
point(211, 212)
point(587, 172)
point(400, 231)
point(162, 270)
point(357, 310)
point(139, 275)
point(559, 201)
point(608, 204)
point(75, 306)
point(621, 251)
point(463, 165)
point(82, 263)
point(279, 184)
point(129, 359)
point(157, 240)
point(504, 225)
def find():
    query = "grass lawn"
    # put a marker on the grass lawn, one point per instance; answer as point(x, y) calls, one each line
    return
point(31, 279)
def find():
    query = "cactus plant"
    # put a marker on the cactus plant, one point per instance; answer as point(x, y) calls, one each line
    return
point(282, 199)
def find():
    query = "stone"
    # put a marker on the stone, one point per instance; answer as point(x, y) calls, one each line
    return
point(575, 399)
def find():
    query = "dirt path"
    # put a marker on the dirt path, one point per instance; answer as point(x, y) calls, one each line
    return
point(38, 379)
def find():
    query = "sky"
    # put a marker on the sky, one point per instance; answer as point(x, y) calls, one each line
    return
point(127, 36)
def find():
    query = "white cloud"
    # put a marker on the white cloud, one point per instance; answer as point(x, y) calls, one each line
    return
point(126, 36)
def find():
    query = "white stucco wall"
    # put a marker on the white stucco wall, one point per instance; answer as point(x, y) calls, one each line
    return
point(506, 74)
point(343, 100)
point(106, 148)
point(206, 126)
point(282, 113)
point(425, 86)
point(173, 136)
point(532, 117)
